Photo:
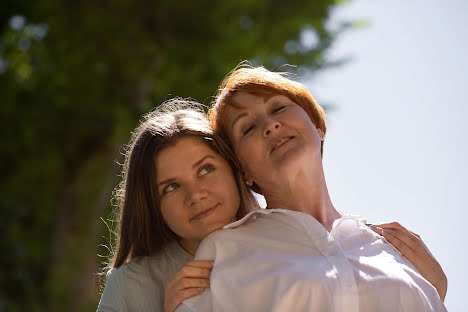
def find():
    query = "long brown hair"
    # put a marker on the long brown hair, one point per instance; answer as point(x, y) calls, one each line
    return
point(141, 229)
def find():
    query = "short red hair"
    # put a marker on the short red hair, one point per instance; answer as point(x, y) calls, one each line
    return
point(261, 81)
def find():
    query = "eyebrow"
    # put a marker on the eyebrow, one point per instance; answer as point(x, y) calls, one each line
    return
point(240, 116)
point(266, 97)
point(196, 164)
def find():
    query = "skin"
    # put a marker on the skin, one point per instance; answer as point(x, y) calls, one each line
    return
point(292, 176)
point(197, 190)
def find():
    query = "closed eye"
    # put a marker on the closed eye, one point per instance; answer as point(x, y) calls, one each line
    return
point(206, 169)
point(279, 108)
point(246, 131)
point(171, 187)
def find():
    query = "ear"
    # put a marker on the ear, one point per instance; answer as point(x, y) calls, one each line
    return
point(248, 180)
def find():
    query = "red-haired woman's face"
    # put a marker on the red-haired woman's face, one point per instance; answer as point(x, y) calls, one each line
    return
point(270, 136)
point(197, 190)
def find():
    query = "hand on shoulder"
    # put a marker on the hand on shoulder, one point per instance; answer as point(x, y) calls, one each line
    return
point(189, 281)
point(413, 248)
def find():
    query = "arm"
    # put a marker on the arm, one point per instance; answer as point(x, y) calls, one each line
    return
point(414, 249)
point(190, 281)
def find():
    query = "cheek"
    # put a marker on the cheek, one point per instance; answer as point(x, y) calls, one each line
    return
point(250, 153)
point(171, 211)
point(252, 161)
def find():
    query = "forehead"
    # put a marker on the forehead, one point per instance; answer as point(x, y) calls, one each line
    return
point(245, 101)
point(182, 155)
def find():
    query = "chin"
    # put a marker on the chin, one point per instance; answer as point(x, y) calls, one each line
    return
point(293, 156)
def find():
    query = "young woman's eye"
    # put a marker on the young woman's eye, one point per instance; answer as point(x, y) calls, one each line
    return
point(206, 169)
point(247, 130)
point(170, 188)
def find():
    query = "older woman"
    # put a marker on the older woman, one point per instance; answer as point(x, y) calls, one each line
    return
point(300, 254)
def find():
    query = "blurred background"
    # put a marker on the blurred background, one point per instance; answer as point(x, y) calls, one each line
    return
point(76, 77)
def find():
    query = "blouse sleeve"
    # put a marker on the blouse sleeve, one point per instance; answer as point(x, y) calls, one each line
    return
point(111, 299)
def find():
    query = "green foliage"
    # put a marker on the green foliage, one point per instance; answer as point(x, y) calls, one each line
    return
point(74, 79)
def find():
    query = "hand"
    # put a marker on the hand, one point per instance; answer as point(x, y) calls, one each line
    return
point(413, 248)
point(190, 281)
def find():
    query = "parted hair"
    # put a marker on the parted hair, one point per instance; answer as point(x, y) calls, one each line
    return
point(140, 228)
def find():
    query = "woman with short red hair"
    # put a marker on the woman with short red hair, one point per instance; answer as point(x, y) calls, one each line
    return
point(301, 253)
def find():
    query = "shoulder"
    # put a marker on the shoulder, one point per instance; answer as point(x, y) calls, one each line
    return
point(115, 276)
point(112, 299)
point(252, 230)
point(138, 285)
point(133, 287)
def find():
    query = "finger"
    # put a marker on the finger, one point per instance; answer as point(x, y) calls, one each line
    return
point(376, 229)
point(405, 238)
point(192, 283)
point(175, 290)
point(393, 226)
point(403, 248)
point(194, 272)
point(172, 304)
point(417, 235)
point(190, 272)
point(206, 264)
point(398, 226)
point(402, 236)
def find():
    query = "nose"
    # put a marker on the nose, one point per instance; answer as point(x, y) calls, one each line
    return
point(196, 193)
point(271, 126)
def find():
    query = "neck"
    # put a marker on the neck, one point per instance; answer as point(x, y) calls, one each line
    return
point(305, 191)
point(189, 246)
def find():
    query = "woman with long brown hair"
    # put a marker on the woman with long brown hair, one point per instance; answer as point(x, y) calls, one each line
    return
point(180, 182)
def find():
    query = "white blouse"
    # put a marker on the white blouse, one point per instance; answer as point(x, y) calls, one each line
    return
point(283, 260)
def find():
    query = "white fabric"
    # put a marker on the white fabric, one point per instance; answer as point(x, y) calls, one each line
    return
point(282, 260)
point(138, 285)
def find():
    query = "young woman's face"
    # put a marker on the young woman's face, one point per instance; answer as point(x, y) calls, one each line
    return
point(270, 135)
point(197, 190)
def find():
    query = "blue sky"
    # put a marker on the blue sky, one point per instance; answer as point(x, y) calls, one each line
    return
point(397, 144)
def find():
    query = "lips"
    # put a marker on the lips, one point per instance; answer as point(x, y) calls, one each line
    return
point(280, 142)
point(204, 213)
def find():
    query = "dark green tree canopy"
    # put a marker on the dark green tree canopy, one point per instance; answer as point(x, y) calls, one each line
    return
point(74, 78)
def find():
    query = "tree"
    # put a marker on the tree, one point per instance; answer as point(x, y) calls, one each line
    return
point(74, 79)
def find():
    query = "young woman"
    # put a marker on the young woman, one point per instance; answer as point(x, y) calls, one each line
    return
point(301, 253)
point(180, 183)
